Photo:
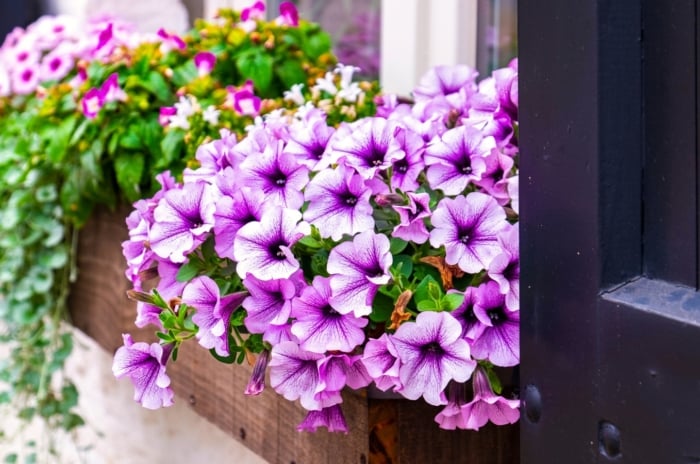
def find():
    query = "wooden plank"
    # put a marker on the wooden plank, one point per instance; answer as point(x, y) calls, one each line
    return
point(381, 431)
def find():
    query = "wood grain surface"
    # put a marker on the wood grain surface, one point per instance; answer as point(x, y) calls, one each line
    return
point(381, 431)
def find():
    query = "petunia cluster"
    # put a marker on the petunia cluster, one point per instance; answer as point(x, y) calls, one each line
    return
point(377, 252)
point(52, 47)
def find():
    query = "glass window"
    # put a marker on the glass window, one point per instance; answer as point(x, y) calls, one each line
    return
point(497, 41)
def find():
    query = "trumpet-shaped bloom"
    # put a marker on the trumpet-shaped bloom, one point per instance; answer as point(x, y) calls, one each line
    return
point(204, 61)
point(469, 228)
point(500, 340)
point(407, 168)
point(357, 270)
point(92, 102)
point(144, 364)
point(212, 312)
point(456, 159)
point(382, 362)
point(256, 384)
point(321, 328)
point(232, 213)
point(367, 148)
point(453, 83)
point(294, 373)
point(269, 303)
point(412, 227)
point(278, 175)
point(263, 248)
point(289, 16)
point(183, 219)
point(339, 203)
point(471, 326)
point(309, 142)
point(486, 406)
point(432, 352)
point(505, 268)
point(331, 418)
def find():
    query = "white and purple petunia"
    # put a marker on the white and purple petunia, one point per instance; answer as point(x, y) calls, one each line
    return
point(382, 362)
point(412, 225)
point(468, 227)
point(357, 270)
point(294, 374)
point(277, 174)
point(338, 203)
point(144, 365)
point(183, 219)
point(484, 407)
point(505, 268)
point(263, 248)
point(269, 303)
point(233, 212)
point(331, 418)
point(204, 62)
point(368, 148)
point(321, 328)
point(432, 352)
point(212, 312)
point(499, 342)
point(456, 159)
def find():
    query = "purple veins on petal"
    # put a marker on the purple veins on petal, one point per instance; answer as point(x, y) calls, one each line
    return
point(367, 148)
point(256, 384)
point(406, 149)
point(331, 417)
point(411, 226)
point(471, 325)
point(357, 270)
point(269, 302)
point(382, 362)
point(468, 227)
point(338, 203)
point(319, 327)
point(308, 143)
point(183, 219)
point(212, 312)
point(456, 159)
point(278, 175)
point(232, 213)
point(500, 341)
point(144, 365)
point(432, 352)
point(294, 373)
point(505, 268)
point(263, 248)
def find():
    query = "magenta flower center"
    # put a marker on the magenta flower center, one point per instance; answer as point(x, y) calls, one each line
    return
point(27, 74)
point(54, 64)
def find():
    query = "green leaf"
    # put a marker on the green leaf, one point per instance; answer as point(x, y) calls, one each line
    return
point(422, 292)
point(434, 291)
point(256, 66)
point(69, 398)
point(11, 458)
point(317, 44)
point(495, 382)
point(172, 147)
point(230, 359)
point(238, 317)
point(26, 413)
point(129, 168)
point(404, 264)
point(72, 421)
point(184, 74)
point(131, 138)
point(290, 72)
point(158, 86)
point(452, 301)
point(53, 258)
point(397, 245)
point(427, 305)
point(382, 307)
point(188, 271)
point(60, 138)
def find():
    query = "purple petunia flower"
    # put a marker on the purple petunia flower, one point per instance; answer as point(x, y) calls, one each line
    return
point(110, 89)
point(263, 248)
point(321, 328)
point(432, 352)
point(183, 218)
point(357, 270)
point(469, 228)
point(144, 364)
point(331, 417)
point(500, 340)
point(232, 213)
point(294, 373)
point(407, 168)
point(505, 268)
point(277, 174)
point(212, 312)
point(338, 203)
point(486, 406)
point(309, 143)
point(243, 99)
point(471, 326)
point(493, 180)
point(269, 303)
point(382, 362)
point(367, 149)
point(289, 16)
point(453, 83)
point(412, 227)
point(456, 159)
point(256, 384)
point(56, 65)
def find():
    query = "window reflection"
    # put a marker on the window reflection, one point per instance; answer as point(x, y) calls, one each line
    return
point(497, 41)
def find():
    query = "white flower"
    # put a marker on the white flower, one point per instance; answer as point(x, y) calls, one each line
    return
point(326, 84)
point(211, 115)
point(187, 106)
point(350, 93)
point(294, 94)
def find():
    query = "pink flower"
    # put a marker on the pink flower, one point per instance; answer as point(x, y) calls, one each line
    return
point(204, 61)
